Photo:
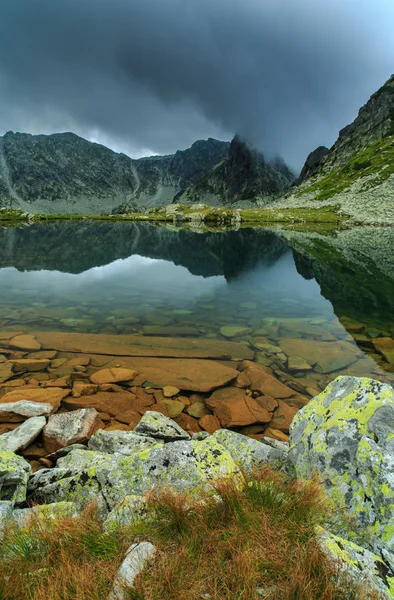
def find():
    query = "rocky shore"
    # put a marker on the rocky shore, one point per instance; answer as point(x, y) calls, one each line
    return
point(344, 436)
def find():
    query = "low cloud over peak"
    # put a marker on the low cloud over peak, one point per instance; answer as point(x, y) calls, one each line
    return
point(154, 75)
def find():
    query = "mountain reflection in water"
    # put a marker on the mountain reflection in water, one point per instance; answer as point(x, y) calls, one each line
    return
point(276, 287)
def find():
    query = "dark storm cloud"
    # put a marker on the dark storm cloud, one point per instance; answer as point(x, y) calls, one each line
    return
point(158, 74)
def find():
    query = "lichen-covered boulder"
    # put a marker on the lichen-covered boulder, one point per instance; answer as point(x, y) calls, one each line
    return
point(22, 436)
point(123, 442)
point(159, 426)
point(21, 517)
point(360, 565)
point(14, 474)
point(133, 508)
point(346, 436)
point(85, 475)
point(249, 453)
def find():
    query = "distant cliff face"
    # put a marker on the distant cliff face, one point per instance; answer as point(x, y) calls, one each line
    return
point(65, 174)
point(358, 171)
point(244, 175)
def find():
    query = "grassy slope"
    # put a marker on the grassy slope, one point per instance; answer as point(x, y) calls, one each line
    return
point(261, 537)
point(375, 162)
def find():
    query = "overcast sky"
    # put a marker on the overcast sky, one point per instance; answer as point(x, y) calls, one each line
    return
point(152, 76)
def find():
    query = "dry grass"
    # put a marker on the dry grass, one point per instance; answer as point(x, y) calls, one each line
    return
point(262, 537)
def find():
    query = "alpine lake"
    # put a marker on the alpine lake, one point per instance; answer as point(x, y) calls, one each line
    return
point(182, 307)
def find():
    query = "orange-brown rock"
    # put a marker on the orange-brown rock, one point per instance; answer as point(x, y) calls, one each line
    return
point(52, 396)
point(75, 427)
point(144, 398)
point(267, 402)
point(27, 365)
point(24, 342)
point(117, 426)
point(169, 391)
point(50, 354)
point(83, 389)
point(140, 346)
point(34, 452)
point(275, 434)
point(209, 423)
point(62, 383)
point(174, 407)
point(5, 371)
point(188, 423)
point(234, 408)
point(263, 382)
point(13, 383)
point(5, 427)
point(243, 380)
point(114, 403)
point(58, 362)
point(113, 375)
point(283, 417)
point(130, 418)
point(253, 429)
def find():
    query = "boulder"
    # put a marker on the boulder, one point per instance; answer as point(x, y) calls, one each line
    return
point(131, 509)
point(14, 474)
point(22, 436)
point(58, 510)
point(362, 566)
point(73, 427)
point(137, 558)
point(116, 404)
point(14, 412)
point(346, 435)
point(52, 396)
point(83, 476)
point(249, 453)
point(115, 375)
point(122, 442)
point(24, 342)
point(159, 426)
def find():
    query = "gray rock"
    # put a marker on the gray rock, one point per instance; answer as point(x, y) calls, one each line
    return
point(137, 558)
point(70, 428)
point(346, 434)
point(22, 436)
point(200, 435)
point(58, 510)
point(246, 452)
point(156, 425)
point(108, 478)
point(5, 515)
point(64, 451)
point(133, 508)
point(14, 474)
point(123, 442)
point(360, 564)
point(25, 408)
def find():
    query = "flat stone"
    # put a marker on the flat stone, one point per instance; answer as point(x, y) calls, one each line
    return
point(188, 423)
point(230, 331)
point(159, 426)
point(385, 347)
point(169, 331)
point(329, 356)
point(115, 375)
point(5, 371)
point(22, 436)
point(122, 442)
point(174, 407)
point(27, 365)
point(116, 404)
point(184, 374)
point(296, 363)
point(267, 402)
point(24, 342)
point(140, 346)
point(52, 396)
point(169, 391)
point(198, 410)
point(75, 427)
point(14, 412)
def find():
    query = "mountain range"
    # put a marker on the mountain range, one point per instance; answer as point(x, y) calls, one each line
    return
point(66, 174)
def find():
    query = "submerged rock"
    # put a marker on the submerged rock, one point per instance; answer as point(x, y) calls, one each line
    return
point(346, 435)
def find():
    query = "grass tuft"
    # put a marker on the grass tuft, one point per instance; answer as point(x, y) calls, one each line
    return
point(240, 544)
